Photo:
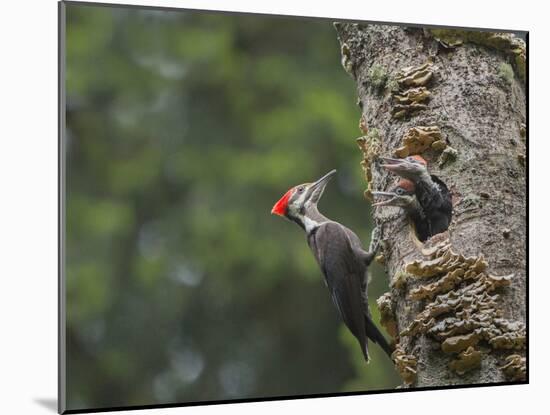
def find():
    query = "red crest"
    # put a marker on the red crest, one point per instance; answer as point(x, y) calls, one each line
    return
point(420, 159)
point(280, 208)
point(406, 185)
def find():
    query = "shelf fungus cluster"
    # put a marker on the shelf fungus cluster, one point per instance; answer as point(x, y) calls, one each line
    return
point(418, 139)
point(413, 93)
point(421, 138)
point(405, 364)
point(370, 146)
point(462, 312)
point(467, 360)
point(515, 367)
point(387, 315)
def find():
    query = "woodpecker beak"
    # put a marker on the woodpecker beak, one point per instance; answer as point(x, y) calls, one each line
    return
point(392, 197)
point(406, 168)
point(316, 189)
point(392, 164)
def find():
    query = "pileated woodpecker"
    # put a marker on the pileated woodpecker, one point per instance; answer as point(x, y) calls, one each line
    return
point(402, 195)
point(341, 257)
point(432, 194)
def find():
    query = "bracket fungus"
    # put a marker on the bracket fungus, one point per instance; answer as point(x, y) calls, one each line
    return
point(406, 364)
point(515, 368)
point(412, 95)
point(418, 139)
point(409, 101)
point(387, 314)
point(401, 110)
point(443, 285)
point(467, 360)
point(411, 82)
point(415, 76)
point(459, 343)
point(444, 260)
point(510, 335)
point(369, 144)
point(463, 311)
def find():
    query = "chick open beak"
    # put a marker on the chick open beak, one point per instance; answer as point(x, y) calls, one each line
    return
point(392, 164)
point(391, 197)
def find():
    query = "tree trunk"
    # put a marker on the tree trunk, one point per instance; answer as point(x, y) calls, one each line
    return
point(457, 303)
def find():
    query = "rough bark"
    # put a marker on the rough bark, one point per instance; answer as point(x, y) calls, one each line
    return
point(475, 95)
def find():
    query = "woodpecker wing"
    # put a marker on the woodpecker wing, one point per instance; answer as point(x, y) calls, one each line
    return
point(446, 199)
point(344, 274)
point(435, 200)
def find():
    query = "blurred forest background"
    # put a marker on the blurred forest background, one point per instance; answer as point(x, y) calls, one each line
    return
point(183, 129)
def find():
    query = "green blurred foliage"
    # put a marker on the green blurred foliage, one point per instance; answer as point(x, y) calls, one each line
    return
point(183, 129)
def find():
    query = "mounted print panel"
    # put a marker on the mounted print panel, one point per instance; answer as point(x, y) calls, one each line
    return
point(272, 207)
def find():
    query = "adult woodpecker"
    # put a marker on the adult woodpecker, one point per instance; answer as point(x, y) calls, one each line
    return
point(432, 194)
point(340, 255)
point(402, 195)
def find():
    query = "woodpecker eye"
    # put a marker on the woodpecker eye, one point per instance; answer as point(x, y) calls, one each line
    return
point(400, 191)
point(300, 189)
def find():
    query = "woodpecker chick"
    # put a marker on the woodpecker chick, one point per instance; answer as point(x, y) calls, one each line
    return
point(402, 195)
point(432, 194)
point(341, 257)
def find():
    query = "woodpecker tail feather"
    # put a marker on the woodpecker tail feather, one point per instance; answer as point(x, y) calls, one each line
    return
point(376, 336)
